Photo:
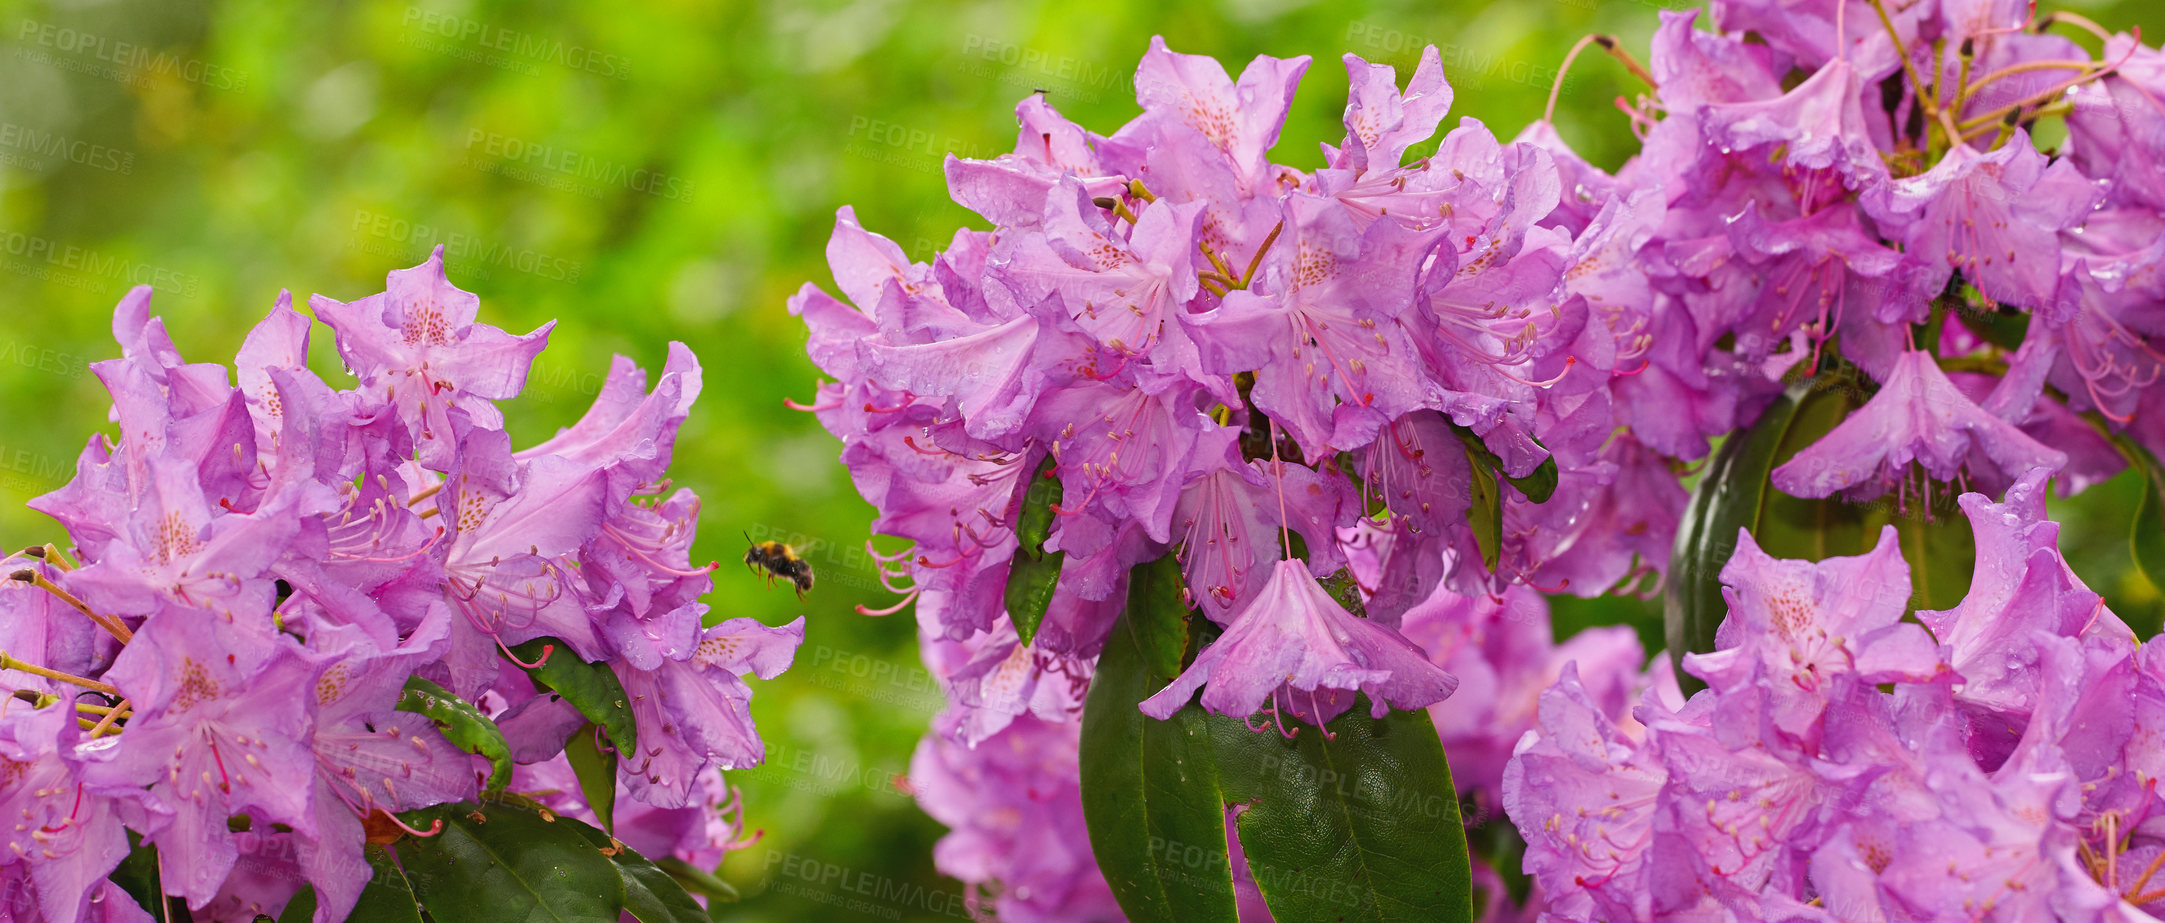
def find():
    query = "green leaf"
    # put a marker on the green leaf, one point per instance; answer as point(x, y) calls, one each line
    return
point(596, 771)
point(697, 880)
point(1034, 573)
point(302, 908)
point(138, 874)
point(1727, 499)
point(503, 861)
point(1540, 485)
point(462, 724)
point(650, 893)
point(1362, 825)
point(1736, 493)
point(389, 896)
point(1486, 514)
point(2146, 537)
point(1150, 792)
point(592, 688)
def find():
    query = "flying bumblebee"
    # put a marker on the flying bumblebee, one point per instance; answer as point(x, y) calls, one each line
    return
point(773, 559)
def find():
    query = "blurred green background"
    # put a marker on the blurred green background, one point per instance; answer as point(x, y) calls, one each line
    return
point(645, 172)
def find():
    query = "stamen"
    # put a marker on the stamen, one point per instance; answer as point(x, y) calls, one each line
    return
point(546, 650)
point(10, 663)
point(112, 625)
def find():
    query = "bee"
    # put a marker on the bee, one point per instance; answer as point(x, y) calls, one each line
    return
point(772, 559)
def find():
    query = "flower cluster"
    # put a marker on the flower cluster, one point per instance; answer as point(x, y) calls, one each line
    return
point(259, 571)
point(1218, 355)
point(1322, 389)
point(1997, 762)
point(1862, 183)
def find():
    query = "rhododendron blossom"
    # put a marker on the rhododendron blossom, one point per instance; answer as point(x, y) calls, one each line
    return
point(1377, 406)
point(221, 662)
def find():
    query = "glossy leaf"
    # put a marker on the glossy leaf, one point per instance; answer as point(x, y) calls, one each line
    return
point(138, 874)
point(389, 897)
point(592, 688)
point(2146, 537)
point(1360, 825)
point(1486, 513)
point(1727, 499)
point(1736, 493)
point(1541, 484)
point(462, 724)
point(302, 908)
point(697, 880)
point(1034, 572)
point(596, 770)
point(650, 893)
point(1150, 792)
point(503, 861)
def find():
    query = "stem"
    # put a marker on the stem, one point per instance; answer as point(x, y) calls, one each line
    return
point(1609, 44)
point(2024, 67)
point(106, 723)
point(10, 663)
point(112, 625)
point(1257, 260)
point(2074, 19)
point(1931, 108)
point(1557, 85)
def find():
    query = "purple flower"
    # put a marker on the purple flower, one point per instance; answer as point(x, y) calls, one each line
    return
point(60, 835)
point(1014, 808)
point(1919, 416)
point(418, 350)
point(1295, 643)
point(1584, 797)
point(222, 727)
point(696, 713)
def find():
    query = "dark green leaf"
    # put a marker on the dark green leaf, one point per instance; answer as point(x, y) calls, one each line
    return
point(1034, 572)
point(389, 896)
point(1363, 825)
point(302, 908)
point(592, 688)
point(1736, 493)
point(1150, 793)
point(596, 770)
point(462, 724)
point(504, 861)
point(1486, 514)
point(1941, 552)
point(1726, 500)
point(697, 880)
point(2146, 539)
point(1540, 485)
point(649, 892)
point(1347, 591)
point(138, 874)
